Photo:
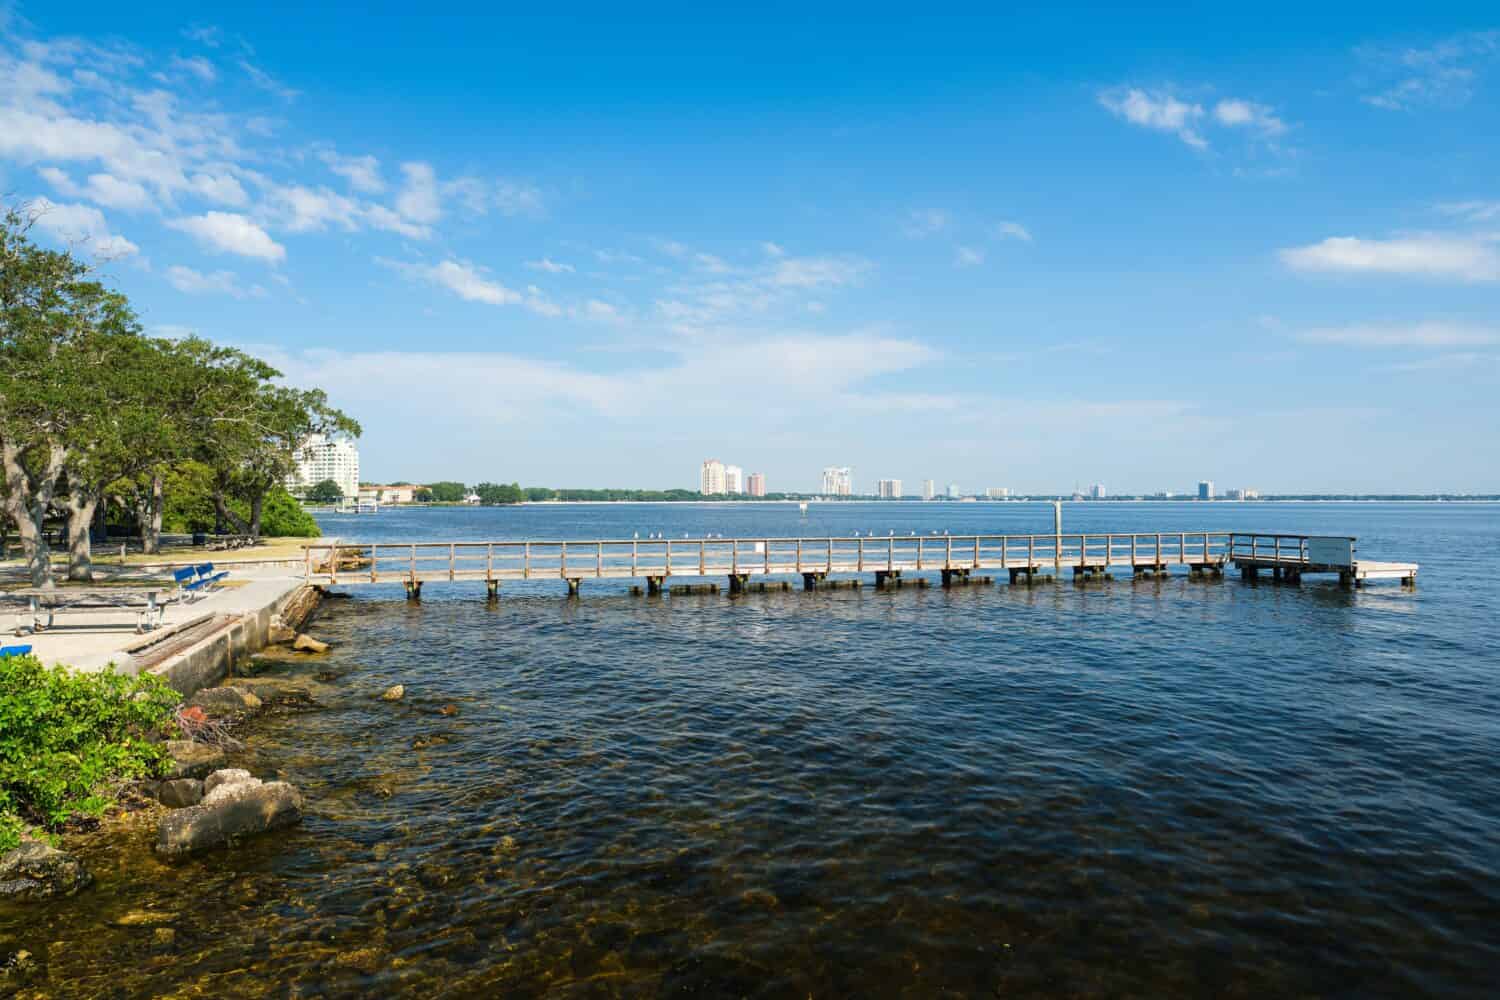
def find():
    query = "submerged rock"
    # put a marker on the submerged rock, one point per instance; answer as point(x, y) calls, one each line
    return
point(280, 634)
point(233, 809)
point(394, 693)
point(226, 701)
point(308, 644)
point(39, 871)
point(180, 793)
point(228, 776)
point(193, 760)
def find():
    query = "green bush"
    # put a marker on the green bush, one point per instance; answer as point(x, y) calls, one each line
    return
point(65, 738)
point(283, 517)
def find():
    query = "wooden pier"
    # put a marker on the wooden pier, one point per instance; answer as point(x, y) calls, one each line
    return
point(1023, 557)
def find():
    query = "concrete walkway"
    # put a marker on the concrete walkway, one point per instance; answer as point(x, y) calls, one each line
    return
point(92, 641)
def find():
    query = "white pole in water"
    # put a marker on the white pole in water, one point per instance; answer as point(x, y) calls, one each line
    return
point(1057, 531)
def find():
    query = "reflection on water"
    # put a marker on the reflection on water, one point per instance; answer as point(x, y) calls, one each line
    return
point(1135, 788)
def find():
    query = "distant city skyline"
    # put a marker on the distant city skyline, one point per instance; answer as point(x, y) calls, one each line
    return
point(1023, 248)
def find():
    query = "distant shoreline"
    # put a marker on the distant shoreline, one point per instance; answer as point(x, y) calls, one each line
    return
point(919, 502)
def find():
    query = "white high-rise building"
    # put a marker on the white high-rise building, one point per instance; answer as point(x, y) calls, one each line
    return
point(952, 491)
point(889, 489)
point(929, 489)
point(998, 493)
point(756, 484)
point(712, 481)
point(734, 479)
point(1097, 492)
point(1206, 490)
point(320, 457)
point(837, 481)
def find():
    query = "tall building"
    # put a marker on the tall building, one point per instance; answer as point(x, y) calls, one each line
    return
point(952, 491)
point(734, 479)
point(837, 482)
point(712, 482)
point(889, 489)
point(320, 457)
point(1206, 489)
point(756, 484)
point(929, 489)
point(1097, 492)
point(998, 493)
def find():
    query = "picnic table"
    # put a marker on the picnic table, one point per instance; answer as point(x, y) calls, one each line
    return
point(145, 601)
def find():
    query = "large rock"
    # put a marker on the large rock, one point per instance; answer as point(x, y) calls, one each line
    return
point(226, 701)
point(394, 693)
point(308, 644)
point(230, 811)
point(193, 760)
point(228, 776)
point(37, 871)
point(180, 793)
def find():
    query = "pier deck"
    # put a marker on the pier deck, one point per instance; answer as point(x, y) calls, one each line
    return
point(655, 560)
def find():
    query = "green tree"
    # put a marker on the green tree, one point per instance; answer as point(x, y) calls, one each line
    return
point(327, 491)
point(447, 492)
point(490, 493)
point(421, 495)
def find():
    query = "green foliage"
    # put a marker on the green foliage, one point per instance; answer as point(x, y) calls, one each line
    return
point(65, 737)
point(189, 491)
point(327, 491)
point(539, 493)
point(447, 492)
point(421, 495)
point(283, 517)
point(489, 493)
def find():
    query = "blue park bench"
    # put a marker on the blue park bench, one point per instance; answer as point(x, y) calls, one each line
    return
point(194, 581)
point(14, 650)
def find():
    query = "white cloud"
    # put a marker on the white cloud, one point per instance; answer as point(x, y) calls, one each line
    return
point(1442, 74)
point(221, 188)
point(818, 272)
point(967, 257)
point(1247, 114)
point(192, 282)
point(1463, 258)
point(204, 34)
point(102, 189)
point(198, 67)
point(83, 225)
point(419, 200)
point(550, 266)
point(1472, 211)
point(228, 232)
point(1429, 334)
point(300, 209)
point(773, 249)
point(362, 172)
point(265, 81)
point(465, 280)
point(518, 198)
point(1158, 111)
point(1013, 231)
point(381, 217)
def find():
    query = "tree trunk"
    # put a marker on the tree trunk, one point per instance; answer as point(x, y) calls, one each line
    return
point(226, 516)
point(256, 503)
point(27, 502)
point(148, 511)
point(81, 508)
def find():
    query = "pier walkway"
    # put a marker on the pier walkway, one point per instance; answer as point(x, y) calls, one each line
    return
point(1023, 557)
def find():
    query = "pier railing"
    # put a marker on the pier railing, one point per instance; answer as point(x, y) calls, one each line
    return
point(635, 557)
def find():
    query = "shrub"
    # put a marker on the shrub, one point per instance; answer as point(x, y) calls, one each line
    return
point(65, 738)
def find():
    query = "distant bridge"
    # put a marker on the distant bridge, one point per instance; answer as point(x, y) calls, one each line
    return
point(1285, 557)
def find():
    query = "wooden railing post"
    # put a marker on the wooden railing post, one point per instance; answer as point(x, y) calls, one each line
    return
point(599, 559)
point(374, 560)
point(489, 562)
point(635, 557)
point(799, 555)
point(860, 557)
point(947, 552)
point(766, 545)
point(562, 561)
point(452, 552)
point(976, 551)
point(526, 561)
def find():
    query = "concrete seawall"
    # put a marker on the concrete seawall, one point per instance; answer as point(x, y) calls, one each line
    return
point(228, 639)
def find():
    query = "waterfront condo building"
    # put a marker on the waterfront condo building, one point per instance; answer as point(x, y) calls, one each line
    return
point(712, 482)
point(1206, 490)
point(953, 493)
point(755, 485)
point(929, 489)
point(1097, 492)
point(837, 482)
point(997, 493)
point(889, 489)
point(734, 479)
point(320, 457)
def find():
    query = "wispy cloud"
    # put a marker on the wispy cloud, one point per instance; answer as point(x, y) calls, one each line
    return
point(362, 172)
point(967, 257)
point(81, 225)
point(1158, 111)
point(1472, 211)
point(191, 282)
point(1249, 115)
point(926, 222)
point(1013, 231)
point(265, 81)
point(1427, 334)
point(1441, 74)
point(550, 266)
point(198, 67)
point(1460, 258)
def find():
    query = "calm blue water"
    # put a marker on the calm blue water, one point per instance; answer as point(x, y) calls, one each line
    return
point(1135, 788)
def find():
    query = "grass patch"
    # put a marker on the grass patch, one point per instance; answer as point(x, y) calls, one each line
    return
point(68, 740)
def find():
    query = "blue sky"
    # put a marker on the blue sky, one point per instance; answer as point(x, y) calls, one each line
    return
point(1031, 249)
